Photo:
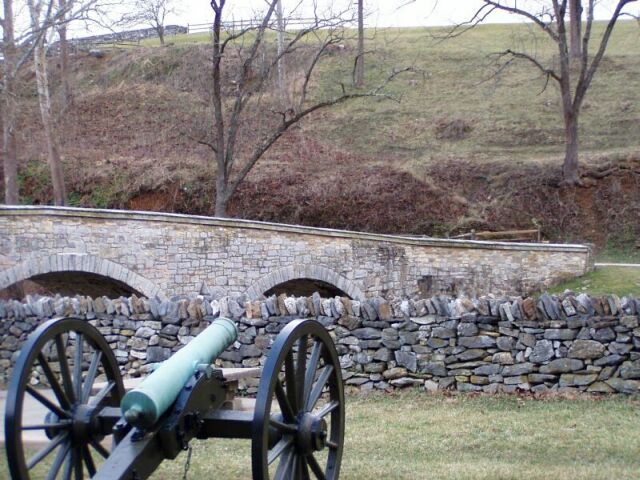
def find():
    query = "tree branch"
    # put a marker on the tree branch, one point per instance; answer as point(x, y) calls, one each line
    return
point(583, 85)
point(548, 72)
point(287, 123)
point(537, 19)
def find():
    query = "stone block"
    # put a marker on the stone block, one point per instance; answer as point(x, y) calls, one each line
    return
point(586, 349)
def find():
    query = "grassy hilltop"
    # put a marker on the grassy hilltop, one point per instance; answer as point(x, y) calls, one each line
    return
point(462, 149)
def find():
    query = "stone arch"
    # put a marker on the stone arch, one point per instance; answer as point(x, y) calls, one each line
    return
point(78, 262)
point(312, 272)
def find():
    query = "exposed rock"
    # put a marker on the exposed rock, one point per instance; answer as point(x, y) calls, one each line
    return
point(542, 352)
point(562, 365)
point(407, 359)
point(586, 349)
point(481, 341)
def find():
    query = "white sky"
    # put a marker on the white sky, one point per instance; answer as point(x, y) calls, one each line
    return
point(382, 13)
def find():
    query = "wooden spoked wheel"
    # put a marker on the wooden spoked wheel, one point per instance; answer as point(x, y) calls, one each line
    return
point(298, 426)
point(58, 368)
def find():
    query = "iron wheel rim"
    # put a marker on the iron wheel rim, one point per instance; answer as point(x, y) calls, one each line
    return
point(71, 455)
point(298, 426)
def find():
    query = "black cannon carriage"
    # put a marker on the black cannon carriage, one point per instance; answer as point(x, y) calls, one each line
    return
point(96, 429)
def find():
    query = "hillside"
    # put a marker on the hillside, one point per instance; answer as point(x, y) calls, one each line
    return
point(462, 149)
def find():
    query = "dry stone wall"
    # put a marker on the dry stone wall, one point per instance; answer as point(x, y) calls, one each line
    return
point(488, 344)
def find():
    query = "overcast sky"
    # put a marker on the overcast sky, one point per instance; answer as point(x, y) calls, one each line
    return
point(381, 13)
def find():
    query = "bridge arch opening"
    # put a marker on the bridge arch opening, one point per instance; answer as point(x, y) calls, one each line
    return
point(75, 274)
point(70, 283)
point(305, 287)
point(303, 280)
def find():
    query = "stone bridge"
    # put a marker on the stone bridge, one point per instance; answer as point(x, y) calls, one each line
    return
point(108, 252)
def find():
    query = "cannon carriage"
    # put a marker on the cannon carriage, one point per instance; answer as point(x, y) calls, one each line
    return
point(93, 428)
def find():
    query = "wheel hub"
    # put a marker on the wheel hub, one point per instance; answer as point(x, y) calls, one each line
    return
point(84, 426)
point(312, 433)
point(51, 419)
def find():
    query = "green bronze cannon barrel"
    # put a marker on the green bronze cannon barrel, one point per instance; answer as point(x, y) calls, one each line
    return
point(143, 405)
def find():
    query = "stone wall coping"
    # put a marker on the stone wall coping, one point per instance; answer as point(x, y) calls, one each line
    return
point(176, 218)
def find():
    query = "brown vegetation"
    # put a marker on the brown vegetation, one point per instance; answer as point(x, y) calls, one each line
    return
point(129, 144)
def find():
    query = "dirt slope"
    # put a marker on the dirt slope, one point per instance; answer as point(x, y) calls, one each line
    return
point(129, 142)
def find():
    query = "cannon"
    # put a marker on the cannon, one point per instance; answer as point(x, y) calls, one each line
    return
point(93, 428)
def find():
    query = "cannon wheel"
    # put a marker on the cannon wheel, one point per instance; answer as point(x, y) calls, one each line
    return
point(298, 423)
point(71, 354)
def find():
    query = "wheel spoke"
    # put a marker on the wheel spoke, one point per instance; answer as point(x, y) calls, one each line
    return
point(77, 367)
point(99, 448)
point(316, 392)
point(67, 384)
point(283, 401)
point(53, 382)
point(77, 463)
point(42, 426)
point(46, 402)
point(284, 467)
point(91, 376)
point(328, 408)
point(311, 370)
point(304, 469)
point(301, 366)
point(290, 379)
point(331, 444)
point(57, 463)
point(278, 448)
point(88, 460)
point(315, 467)
point(50, 447)
point(99, 398)
point(286, 427)
point(66, 475)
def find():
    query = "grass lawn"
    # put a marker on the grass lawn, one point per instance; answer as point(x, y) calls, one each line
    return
point(411, 435)
point(604, 280)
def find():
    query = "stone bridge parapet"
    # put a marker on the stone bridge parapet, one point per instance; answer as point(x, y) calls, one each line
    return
point(163, 255)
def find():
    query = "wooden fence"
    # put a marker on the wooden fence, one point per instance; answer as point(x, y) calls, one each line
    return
point(238, 25)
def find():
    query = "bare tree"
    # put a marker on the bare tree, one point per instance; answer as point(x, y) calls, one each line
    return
point(247, 118)
point(282, 67)
point(359, 68)
point(153, 13)
point(18, 49)
point(575, 23)
point(65, 88)
point(40, 13)
point(9, 150)
point(550, 16)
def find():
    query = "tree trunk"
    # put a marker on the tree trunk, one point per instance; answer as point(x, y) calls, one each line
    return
point(359, 73)
point(220, 208)
point(160, 31)
point(575, 21)
point(65, 89)
point(281, 70)
point(48, 124)
point(221, 196)
point(10, 164)
point(570, 171)
point(9, 149)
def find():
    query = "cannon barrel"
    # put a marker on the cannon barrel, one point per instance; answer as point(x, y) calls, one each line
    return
point(143, 406)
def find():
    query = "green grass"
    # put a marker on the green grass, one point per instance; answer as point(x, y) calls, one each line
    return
point(513, 117)
point(621, 249)
point(604, 280)
point(412, 435)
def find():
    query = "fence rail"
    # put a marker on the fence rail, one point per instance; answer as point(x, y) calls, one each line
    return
point(504, 236)
point(233, 25)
